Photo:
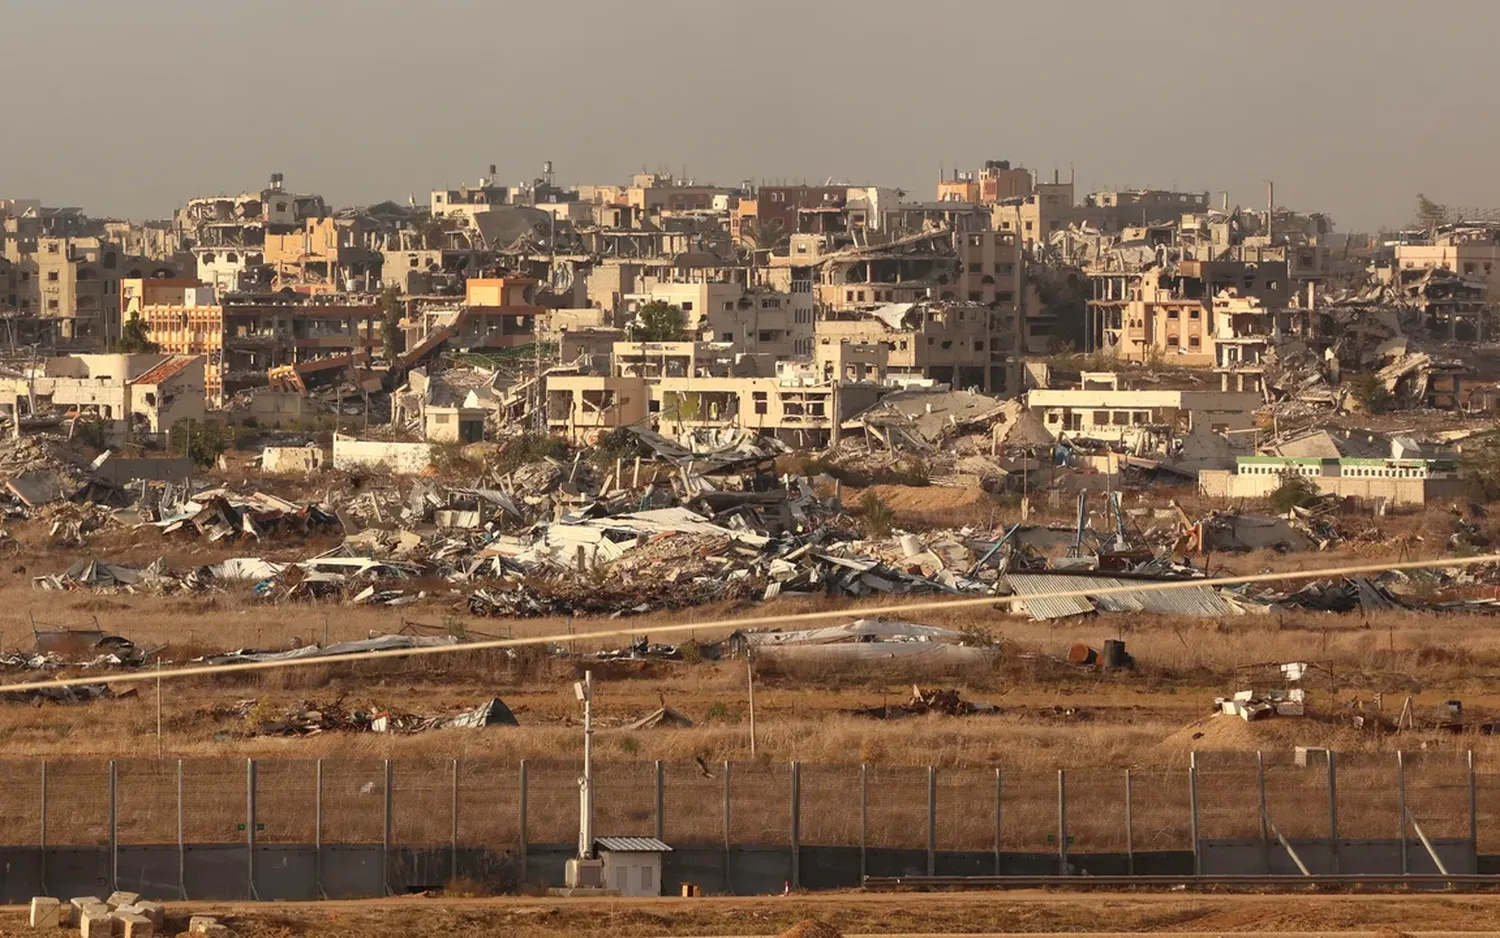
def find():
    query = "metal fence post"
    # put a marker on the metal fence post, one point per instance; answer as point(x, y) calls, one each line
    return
point(181, 839)
point(998, 828)
point(385, 834)
point(1265, 829)
point(114, 825)
point(250, 827)
point(523, 846)
point(728, 775)
point(318, 829)
point(453, 834)
point(1062, 822)
point(1333, 808)
point(1473, 806)
point(1129, 828)
point(42, 820)
point(796, 825)
point(932, 820)
point(1401, 806)
point(661, 802)
point(864, 821)
point(1193, 812)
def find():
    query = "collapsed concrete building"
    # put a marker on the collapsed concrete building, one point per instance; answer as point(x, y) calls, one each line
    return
point(133, 395)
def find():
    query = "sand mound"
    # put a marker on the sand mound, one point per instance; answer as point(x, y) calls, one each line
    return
point(1226, 733)
point(811, 928)
point(925, 499)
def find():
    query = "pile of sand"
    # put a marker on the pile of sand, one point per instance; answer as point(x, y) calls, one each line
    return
point(926, 500)
point(1226, 733)
point(811, 928)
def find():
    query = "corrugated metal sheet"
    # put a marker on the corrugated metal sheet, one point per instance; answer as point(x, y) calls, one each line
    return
point(631, 845)
point(1186, 600)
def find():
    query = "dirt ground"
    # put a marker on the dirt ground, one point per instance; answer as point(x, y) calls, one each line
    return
point(1378, 915)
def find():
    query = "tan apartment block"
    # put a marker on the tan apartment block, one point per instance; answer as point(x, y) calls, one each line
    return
point(1103, 410)
point(582, 406)
point(797, 411)
point(191, 330)
point(959, 344)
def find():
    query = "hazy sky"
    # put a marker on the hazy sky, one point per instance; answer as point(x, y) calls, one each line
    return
point(1351, 106)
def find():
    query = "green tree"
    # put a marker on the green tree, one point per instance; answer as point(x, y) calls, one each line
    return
point(136, 337)
point(390, 324)
point(758, 239)
point(1370, 393)
point(1430, 214)
point(1480, 466)
point(1294, 491)
point(658, 321)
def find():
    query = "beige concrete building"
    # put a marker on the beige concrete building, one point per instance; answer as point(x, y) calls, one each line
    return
point(1168, 312)
point(996, 182)
point(1474, 255)
point(1103, 410)
point(964, 345)
point(754, 320)
point(150, 393)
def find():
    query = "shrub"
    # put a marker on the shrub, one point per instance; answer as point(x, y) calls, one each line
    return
point(876, 515)
point(1370, 393)
point(1294, 491)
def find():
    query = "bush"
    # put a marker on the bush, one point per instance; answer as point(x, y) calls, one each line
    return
point(1481, 469)
point(1370, 393)
point(876, 515)
point(1294, 491)
point(206, 443)
point(529, 448)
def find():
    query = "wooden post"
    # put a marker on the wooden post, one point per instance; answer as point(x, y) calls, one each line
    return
point(523, 822)
point(998, 827)
point(1401, 806)
point(931, 820)
point(1333, 809)
point(250, 826)
point(1193, 812)
point(1062, 822)
point(43, 817)
point(1265, 831)
point(453, 833)
point(864, 821)
point(661, 802)
point(1129, 828)
point(796, 825)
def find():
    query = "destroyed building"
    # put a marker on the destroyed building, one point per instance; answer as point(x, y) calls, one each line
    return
point(150, 393)
point(1143, 306)
point(1199, 428)
point(228, 234)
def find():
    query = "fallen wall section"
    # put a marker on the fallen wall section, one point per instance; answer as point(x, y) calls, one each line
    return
point(407, 458)
point(292, 459)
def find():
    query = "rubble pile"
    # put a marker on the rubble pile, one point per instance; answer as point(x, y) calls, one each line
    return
point(311, 717)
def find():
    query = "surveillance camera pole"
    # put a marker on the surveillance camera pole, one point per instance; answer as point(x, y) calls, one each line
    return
point(586, 784)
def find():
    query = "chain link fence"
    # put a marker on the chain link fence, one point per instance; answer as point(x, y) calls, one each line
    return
point(502, 805)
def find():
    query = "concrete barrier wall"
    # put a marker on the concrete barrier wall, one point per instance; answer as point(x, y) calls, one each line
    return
point(408, 458)
point(119, 471)
point(1223, 484)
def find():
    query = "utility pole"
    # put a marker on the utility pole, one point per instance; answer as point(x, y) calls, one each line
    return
point(585, 871)
point(750, 682)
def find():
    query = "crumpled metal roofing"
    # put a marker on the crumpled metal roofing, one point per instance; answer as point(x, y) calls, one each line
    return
point(1187, 600)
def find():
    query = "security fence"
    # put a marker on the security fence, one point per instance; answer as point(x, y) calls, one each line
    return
point(1232, 812)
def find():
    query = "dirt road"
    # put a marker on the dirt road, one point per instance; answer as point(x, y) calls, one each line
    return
point(1031, 913)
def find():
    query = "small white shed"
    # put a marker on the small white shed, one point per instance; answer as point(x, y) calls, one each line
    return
point(632, 865)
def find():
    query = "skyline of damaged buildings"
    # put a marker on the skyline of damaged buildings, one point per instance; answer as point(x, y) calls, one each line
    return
point(795, 306)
